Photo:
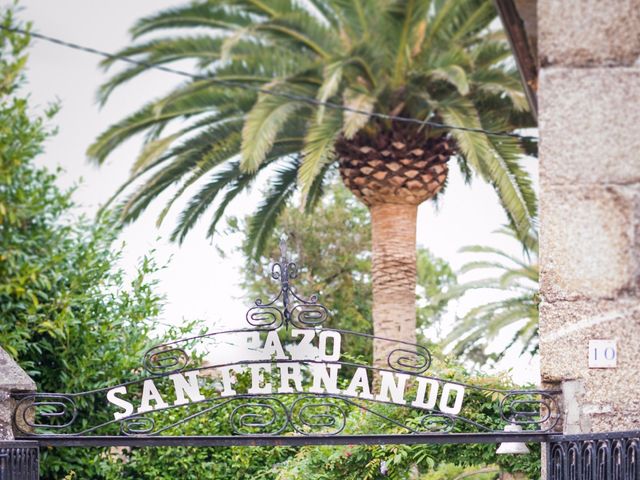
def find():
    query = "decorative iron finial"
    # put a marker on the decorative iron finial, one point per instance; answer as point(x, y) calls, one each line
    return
point(297, 311)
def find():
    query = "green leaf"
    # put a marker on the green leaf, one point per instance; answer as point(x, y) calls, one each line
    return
point(474, 146)
point(353, 121)
point(263, 221)
point(455, 75)
point(262, 125)
point(318, 150)
point(153, 150)
point(332, 74)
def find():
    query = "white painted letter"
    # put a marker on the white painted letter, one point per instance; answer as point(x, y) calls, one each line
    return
point(190, 387)
point(360, 380)
point(434, 386)
point(256, 378)
point(322, 345)
point(119, 402)
point(289, 373)
point(389, 386)
point(305, 349)
point(329, 378)
point(272, 346)
point(227, 381)
point(444, 400)
point(150, 393)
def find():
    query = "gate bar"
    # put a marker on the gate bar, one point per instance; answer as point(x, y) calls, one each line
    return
point(297, 440)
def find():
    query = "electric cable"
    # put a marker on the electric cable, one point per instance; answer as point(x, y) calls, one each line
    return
point(234, 84)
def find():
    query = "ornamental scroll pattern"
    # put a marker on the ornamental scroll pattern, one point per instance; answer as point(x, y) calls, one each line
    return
point(260, 391)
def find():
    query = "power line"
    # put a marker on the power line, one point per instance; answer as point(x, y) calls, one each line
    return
point(234, 84)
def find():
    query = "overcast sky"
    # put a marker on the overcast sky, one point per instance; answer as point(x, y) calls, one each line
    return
point(197, 282)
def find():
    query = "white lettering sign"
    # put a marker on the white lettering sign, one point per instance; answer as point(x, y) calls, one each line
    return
point(308, 366)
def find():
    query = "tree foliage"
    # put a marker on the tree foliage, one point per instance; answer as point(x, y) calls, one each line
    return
point(516, 277)
point(208, 139)
point(332, 247)
point(66, 310)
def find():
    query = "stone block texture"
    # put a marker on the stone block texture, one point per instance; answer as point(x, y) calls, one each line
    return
point(590, 120)
point(12, 377)
point(589, 113)
point(585, 33)
point(589, 241)
point(608, 399)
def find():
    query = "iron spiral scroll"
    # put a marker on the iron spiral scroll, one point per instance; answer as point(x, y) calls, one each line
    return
point(223, 397)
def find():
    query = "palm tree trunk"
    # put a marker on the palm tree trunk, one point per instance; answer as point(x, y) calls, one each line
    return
point(394, 276)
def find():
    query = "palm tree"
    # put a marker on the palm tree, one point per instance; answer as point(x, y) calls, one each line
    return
point(266, 70)
point(505, 273)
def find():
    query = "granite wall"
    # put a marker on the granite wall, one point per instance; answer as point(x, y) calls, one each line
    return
point(589, 116)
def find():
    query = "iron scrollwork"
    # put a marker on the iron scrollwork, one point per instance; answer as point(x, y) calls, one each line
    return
point(325, 416)
point(277, 403)
point(267, 416)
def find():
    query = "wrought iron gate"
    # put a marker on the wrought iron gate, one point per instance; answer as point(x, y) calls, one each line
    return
point(291, 396)
point(19, 460)
point(599, 456)
point(603, 456)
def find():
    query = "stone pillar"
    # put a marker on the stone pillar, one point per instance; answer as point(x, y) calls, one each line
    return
point(12, 380)
point(589, 116)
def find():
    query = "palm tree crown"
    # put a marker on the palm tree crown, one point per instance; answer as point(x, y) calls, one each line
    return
point(429, 60)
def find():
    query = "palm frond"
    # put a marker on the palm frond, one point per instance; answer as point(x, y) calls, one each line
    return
point(493, 251)
point(496, 81)
point(360, 101)
point(135, 123)
point(158, 52)
point(332, 74)
point(410, 14)
point(481, 265)
point(455, 75)
point(490, 54)
point(203, 200)
point(261, 127)
point(513, 185)
point(197, 157)
point(317, 189)
point(300, 30)
point(153, 150)
point(474, 146)
point(318, 150)
point(475, 17)
point(518, 279)
point(198, 14)
point(435, 27)
point(264, 219)
point(428, 59)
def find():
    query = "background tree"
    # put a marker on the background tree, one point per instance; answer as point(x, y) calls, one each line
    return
point(516, 278)
point(68, 314)
point(427, 60)
point(435, 278)
point(333, 249)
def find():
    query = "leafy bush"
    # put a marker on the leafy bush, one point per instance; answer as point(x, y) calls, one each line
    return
point(66, 314)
